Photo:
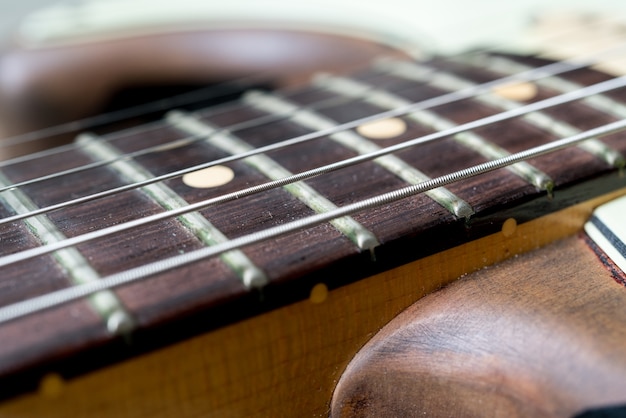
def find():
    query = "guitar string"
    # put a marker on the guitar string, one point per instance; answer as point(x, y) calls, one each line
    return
point(87, 123)
point(144, 127)
point(191, 98)
point(63, 296)
point(214, 110)
point(183, 99)
point(489, 120)
point(84, 124)
point(187, 98)
point(446, 98)
point(545, 71)
point(167, 146)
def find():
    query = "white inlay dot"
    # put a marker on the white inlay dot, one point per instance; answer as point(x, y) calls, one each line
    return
point(520, 91)
point(382, 129)
point(209, 177)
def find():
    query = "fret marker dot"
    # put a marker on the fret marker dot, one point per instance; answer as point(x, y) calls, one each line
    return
point(319, 293)
point(521, 91)
point(209, 177)
point(382, 129)
point(51, 386)
point(508, 227)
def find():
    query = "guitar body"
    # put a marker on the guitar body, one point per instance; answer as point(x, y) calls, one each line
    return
point(275, 334)
point(537, 336)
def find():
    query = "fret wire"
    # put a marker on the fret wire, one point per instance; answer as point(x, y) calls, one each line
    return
point(105, 304)
point(168, 146)
point(351, 229)
point(124, 114)
point(309, 118)
point(556, 100)
point(56, 298)
point(510, 114)
point(84, 124)
point(559, 67)
point(469, 140)
point(163, 195)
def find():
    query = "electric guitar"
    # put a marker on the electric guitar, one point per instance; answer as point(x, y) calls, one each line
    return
point(235, 251)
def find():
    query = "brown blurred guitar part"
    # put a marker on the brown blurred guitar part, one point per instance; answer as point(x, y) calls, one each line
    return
point(43, 87)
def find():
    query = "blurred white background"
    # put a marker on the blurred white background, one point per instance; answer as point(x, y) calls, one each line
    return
point(443, 22)
point(11, 11)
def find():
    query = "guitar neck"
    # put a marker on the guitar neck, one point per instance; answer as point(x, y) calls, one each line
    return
point(175, 303)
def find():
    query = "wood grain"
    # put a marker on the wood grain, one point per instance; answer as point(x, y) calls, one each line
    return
point(540, 335)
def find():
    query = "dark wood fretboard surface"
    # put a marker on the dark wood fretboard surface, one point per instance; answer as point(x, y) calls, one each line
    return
point(211, 293)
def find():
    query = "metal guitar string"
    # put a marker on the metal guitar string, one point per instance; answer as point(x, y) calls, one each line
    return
point(215, 110)
point(499, 117)
point(553, 101)
point(425, 104)
point(254, 122)
point(59, 297)
point(83, 124)
point(285, 181)
point(168, 146)
point(206, 94)
point(118, 116)
point(202, 94)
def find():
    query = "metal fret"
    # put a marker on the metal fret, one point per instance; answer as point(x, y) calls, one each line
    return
point(168, 199)
point(476, 143)
point(229, 143)
point(37, 304)
point(105, 303)
point(540, 119)
point(312, 120)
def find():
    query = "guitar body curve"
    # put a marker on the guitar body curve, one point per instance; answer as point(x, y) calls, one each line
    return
point(540, 335)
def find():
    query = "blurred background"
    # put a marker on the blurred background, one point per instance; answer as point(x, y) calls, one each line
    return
point(11, 12)
point(442, 22)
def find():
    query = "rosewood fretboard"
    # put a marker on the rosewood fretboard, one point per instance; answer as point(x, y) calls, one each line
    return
point(207, 294)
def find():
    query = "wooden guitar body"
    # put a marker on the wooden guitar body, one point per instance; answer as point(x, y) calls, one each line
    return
point(540, 335)
point(267, 320)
